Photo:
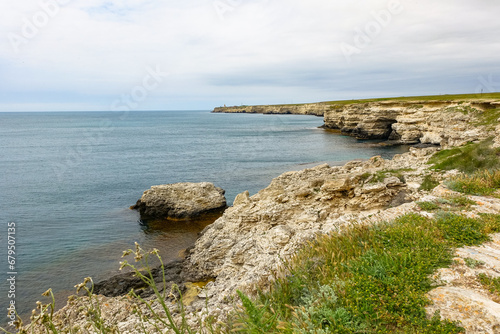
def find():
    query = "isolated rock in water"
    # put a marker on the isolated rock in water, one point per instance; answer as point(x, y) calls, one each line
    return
point(180, 200)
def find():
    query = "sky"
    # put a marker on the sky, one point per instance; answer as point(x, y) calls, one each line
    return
point(110, 55)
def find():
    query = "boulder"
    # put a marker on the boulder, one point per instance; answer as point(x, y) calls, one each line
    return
point(180, 200)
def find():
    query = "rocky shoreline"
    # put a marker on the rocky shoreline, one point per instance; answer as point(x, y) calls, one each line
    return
point(245, 247)
point(401, 122)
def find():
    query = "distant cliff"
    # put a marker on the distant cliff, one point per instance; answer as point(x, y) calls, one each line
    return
point(315, 109)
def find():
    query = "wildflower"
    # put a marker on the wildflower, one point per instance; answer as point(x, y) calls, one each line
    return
point(123, 264)
point(18, 323)
point(126, 253)
point(47, 293)
point(80, 286)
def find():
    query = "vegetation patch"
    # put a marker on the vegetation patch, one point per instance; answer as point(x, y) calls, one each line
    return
point(488, 118)
point(468, 158)
point(473, 263)
point(380, 176)
point(428, 206)
point(491, 284)
point(456, 98)
point(429, 183)
point(482, 182)
point(367, 279)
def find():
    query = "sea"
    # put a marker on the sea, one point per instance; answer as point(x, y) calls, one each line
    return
point(68, 179)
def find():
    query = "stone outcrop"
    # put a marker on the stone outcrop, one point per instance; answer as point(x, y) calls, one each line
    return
point(315, 109)
point(427, 122)
point(243, 248)
point(180, 200)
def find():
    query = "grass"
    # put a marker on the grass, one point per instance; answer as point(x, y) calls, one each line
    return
point(380, 176)
point(429, 183)
point(367, 279)
point(491, 284)
point(467, 158)
point(482, 182)
point(428, 206)
point(489, 118)
point(454, 97)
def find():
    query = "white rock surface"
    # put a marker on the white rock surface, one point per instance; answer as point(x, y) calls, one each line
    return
point(180, 200)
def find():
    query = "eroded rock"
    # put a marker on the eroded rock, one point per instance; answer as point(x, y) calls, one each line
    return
point(180, 200)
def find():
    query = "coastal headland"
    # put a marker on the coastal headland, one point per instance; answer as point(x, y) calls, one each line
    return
point(245, 249)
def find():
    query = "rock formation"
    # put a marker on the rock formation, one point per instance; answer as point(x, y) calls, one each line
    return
point(315, 109)
point(180, 200)
point(428, 122)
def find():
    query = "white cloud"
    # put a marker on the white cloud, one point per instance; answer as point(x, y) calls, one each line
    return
point(259, 51)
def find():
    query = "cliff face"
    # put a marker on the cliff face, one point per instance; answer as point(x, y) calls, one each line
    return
point(315, 109)
point(427, 122)
point(445, 123)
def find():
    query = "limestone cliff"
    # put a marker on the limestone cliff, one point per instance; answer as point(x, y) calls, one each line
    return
point(446, 123)
point(315, 109)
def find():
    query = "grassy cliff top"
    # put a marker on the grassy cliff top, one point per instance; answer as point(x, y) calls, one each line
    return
point(456, 97)
point(447, 97)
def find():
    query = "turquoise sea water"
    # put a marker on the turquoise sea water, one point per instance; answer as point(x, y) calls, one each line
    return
point(67, 181)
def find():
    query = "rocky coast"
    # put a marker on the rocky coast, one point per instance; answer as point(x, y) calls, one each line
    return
point(245, 248)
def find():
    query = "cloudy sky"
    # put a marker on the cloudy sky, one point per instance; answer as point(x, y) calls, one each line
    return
point(198, 54)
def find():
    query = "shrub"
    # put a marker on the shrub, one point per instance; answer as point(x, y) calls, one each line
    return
point(472, 263)
point(428, 206)
point(462, 231)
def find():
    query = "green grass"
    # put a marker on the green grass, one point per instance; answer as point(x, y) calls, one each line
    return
point(467, 158)
point(380, 176)
point(454, 97)
point(428, 206)
point(429, 183)
point(368, 279)
point(489, 118)
point(490, 283)
point(482, 182)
